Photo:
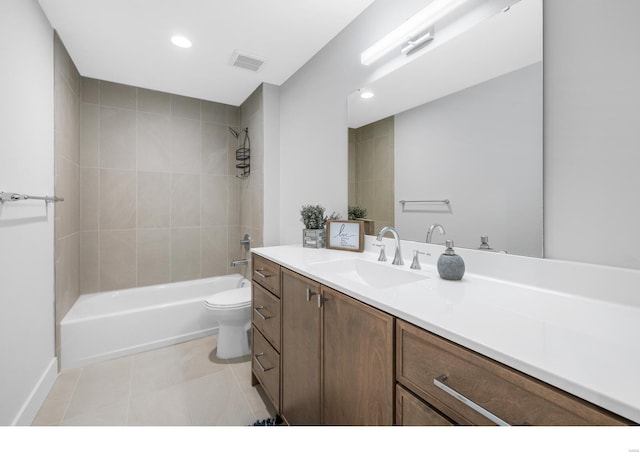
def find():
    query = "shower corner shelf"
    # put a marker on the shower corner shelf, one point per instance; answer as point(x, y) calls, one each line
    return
point(243, 154)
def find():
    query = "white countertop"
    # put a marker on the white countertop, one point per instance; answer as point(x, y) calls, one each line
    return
point(585, 346)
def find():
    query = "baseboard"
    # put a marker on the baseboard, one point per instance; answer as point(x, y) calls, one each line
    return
point(32, 405)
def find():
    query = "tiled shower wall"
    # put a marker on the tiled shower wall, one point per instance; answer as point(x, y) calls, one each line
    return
point(67, 172)
point(251, 188)
point(371, 171)
point(159, 200)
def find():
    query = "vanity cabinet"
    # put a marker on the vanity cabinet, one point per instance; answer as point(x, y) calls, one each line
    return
point(301, 360)
point(357, 362)
point(266, 314)
point(470, 389)
point(324, 358)
point(337, 357)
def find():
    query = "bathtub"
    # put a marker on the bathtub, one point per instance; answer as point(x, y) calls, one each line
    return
point(108, 325)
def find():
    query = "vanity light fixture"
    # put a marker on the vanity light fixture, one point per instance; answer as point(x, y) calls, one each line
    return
point(181, 41)
point(366, 94)
point(416, 27)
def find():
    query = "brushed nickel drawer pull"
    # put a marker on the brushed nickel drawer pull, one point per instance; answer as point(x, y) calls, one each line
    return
point(261, 273)
point(439, 382)
point(260, 314)
point(318, 296)
point(262, 368)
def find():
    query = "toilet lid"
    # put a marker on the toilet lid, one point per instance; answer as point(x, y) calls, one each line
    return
point(229, 299)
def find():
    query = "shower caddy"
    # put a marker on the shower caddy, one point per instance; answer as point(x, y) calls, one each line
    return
point(243, 153)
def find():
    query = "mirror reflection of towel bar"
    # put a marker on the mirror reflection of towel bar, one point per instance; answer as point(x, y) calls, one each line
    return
point(441, 201)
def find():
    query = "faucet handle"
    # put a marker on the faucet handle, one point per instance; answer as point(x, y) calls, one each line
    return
point(382, 257)
point(415, 265)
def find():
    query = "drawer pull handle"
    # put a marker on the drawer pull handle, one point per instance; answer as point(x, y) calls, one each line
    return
point(318, 296)
point(257, 360)
point(439, 382)
point(261, 273)
point(260, 314)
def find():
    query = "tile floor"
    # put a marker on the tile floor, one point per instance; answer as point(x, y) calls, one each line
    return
point(179, 385)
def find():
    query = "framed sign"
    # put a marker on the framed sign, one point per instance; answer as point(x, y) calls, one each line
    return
point(345, 235)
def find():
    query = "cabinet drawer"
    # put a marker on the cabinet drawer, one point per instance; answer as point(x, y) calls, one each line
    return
point(412, 411)
point(265, 314)
point(265, 365)
point(266, 273)
point(442, 373)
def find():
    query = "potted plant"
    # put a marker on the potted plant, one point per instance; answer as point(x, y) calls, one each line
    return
point(314, 234)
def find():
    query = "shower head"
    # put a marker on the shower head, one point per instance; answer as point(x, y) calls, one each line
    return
point(233, 132)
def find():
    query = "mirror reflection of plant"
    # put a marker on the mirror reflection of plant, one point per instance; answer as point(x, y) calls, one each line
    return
point(357, 211)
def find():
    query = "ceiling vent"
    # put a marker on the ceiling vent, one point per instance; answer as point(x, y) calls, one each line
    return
point(246, 61)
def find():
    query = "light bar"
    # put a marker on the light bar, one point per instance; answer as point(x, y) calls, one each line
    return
point(424, 19)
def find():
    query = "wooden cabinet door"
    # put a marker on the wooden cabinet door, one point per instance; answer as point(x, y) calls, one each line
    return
point(300, 349)
point(358, 362)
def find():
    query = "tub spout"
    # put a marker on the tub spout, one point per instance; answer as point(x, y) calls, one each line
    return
point(239, 262)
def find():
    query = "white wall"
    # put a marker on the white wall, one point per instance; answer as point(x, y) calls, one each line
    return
point(481, 148)
point(313, 117)
point(592, 131)
point(271, 164)
point(26, 228)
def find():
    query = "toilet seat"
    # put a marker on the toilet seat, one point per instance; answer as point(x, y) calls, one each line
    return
point(229, 299)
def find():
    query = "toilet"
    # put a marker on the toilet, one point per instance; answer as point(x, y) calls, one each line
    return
point(232, 310)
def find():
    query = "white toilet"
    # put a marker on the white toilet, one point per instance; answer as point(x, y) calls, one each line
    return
point(232, 310)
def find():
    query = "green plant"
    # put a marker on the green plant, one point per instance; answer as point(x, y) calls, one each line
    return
point(356, 212)
point(313, 217)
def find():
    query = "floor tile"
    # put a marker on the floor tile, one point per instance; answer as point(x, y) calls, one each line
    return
point(179, 385)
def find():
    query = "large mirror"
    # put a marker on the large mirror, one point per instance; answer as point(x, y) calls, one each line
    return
point(454, 138)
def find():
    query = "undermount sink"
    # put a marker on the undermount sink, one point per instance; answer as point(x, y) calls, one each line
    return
point(373, 274)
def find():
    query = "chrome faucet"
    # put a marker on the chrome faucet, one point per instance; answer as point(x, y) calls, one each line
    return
point(397, 259)
point(431, 229)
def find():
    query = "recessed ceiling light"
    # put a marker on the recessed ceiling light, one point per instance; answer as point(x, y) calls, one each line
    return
point(366, 94)
point(181, 41)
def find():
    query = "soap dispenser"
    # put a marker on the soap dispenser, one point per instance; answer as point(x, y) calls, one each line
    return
point(450, 265)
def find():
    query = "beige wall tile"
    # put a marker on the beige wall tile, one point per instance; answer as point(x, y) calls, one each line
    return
point(216, 113)
point(233, 200)
point(154, 195)
point(117, 260)
point(117, 199)
point(214, 201)
point(89, 135)
point(185, 254)
point(185, 107)
point(90, 90)
point(154, 142)
point(185, 145)
point(154, 102)
point(117, 95)
point(382, 158)
point(63, 187)
point(117, 138)
point(89, 262)
point(214, 251)
point(215, 144)
point(185, 200)
point(89, 199)
point(154, 256)
point(143, 162)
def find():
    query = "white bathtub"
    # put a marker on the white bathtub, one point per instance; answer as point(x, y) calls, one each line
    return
point(107, 325)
